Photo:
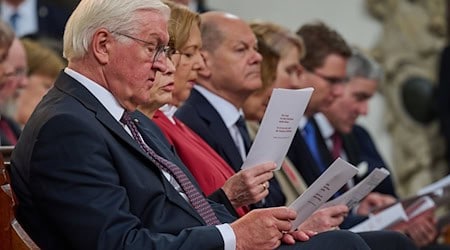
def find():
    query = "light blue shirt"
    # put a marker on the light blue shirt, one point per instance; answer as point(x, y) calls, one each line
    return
point(27, 20)
point(113, 107)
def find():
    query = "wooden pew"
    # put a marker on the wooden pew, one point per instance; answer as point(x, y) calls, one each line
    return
point(12, 235)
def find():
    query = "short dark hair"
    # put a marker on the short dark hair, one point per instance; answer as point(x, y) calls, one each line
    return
point(321, 41)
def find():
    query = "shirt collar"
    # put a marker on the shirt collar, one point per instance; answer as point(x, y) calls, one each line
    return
point(324, 125)
point(229, 113)
point(103, 95)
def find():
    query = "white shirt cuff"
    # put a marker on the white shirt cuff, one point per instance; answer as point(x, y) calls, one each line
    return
point(229, 239)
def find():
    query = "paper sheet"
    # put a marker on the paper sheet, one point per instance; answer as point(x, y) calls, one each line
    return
point(354, 195)
point(278, 126)
point(322, 189)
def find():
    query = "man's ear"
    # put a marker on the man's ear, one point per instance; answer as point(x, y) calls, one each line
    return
point(101, 45)
point(204, 71)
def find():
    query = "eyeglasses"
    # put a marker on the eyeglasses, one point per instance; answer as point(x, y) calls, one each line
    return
point(332, 80)
point(157, 51)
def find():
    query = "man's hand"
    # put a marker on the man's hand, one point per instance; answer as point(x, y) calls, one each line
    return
point(422, 229)
point(325, 219)
point(263, 228)
point(250, 185)
point(374, 200)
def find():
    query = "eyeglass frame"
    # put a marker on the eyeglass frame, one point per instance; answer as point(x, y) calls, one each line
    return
point(160, 49)
point(330, 79)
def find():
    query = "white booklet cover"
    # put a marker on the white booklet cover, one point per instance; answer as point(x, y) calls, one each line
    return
point(278, 126)
point(353, 196)
point(337, 174)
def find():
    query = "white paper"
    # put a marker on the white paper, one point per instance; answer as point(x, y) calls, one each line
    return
point(394, 214)
point(322, 189)
point(354, 195)
point(382, 220)
point(435, 186)
point(278, 126)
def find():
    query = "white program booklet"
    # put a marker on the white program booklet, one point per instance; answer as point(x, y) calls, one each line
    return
point(382, 220)
point(436, 186)
point(322, 189)
point(278, 126)
point(392, 215)
point(354, 195)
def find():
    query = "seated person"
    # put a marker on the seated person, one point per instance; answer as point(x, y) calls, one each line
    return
point(40, 77)
point(92, 174)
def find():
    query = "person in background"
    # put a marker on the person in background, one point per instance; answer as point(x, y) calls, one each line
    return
point(89, 174)
point(11, 76)
point(16, 78)
point(37, 19)
point(215, 177)
point(6, 39)
point(344, 138)
point(443, 100)
point(41, 77)
point(281, 50)
point(214, 107)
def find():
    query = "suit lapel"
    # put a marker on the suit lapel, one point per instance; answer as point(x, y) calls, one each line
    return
point(219, 132)
point(70, 86)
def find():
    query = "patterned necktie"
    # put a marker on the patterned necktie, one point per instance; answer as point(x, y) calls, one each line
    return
point(197, 200)
point(310, 138)
point(337, 145)
point(240, 124)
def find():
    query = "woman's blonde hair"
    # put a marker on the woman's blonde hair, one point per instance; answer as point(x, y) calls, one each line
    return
point(180, 23)
point(274, 42)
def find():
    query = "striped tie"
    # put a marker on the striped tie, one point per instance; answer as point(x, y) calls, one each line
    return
point(196, 199)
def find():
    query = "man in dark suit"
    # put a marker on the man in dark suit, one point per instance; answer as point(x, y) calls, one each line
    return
point(90, 174)
point(232, 73)
point(338, 127)
point(325, 71)
point(37, 18)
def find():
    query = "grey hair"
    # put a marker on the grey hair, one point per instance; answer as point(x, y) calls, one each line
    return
point(361, 65)
point(117, 15)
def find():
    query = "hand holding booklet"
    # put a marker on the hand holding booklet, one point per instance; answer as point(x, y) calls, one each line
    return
point(278, 126)
point(353, 196)
point(322, 189)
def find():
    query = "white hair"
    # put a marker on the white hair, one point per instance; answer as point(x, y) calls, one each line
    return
point(113, 15)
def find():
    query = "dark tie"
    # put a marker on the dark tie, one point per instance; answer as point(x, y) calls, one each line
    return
point(310, 138)
point(13, 20)
point(197, 200)
point(240, 124)
point(337, 145)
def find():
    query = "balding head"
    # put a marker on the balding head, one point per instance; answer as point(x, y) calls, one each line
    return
point(232, 62)
point(215, 26)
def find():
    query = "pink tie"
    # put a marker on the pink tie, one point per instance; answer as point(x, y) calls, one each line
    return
point(337, 145)
point(196, 199)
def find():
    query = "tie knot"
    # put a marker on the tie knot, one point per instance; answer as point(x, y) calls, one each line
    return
point(126, 117)
point(240, 122)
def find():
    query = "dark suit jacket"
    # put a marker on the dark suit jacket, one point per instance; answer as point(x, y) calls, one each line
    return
point(15, 128)
point(301, 157)
point(443, 98)
point(359, 147)
point(84, 183)
point(198, 114)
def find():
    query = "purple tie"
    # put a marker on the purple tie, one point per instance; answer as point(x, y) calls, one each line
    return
point(197, 200)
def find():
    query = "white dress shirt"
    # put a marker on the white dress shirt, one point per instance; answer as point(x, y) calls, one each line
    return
point(229, 114)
